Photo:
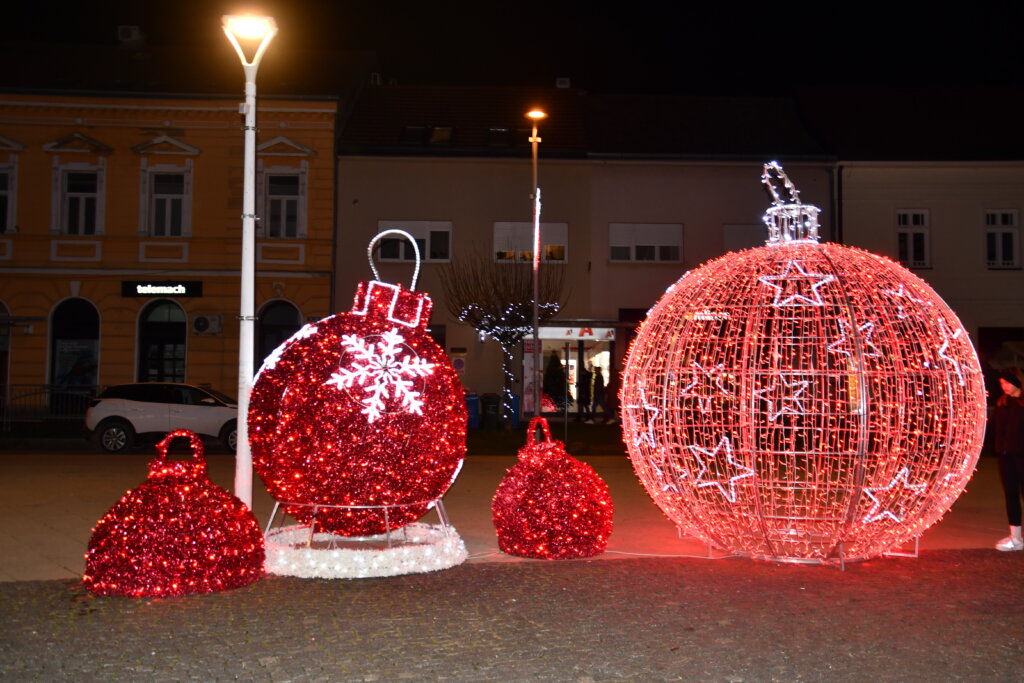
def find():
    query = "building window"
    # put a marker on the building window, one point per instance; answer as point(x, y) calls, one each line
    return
point(282, 213)
point(74, 344)
point(645, 242)
point(283, 200)
point(414, 135)
point(1002, 239)
point(913, 238)
point(441, 135)
point(514, 242)
point(499, 136)
point(80, 202)
point(165, 199)
point(434, 239)
point(6, 198)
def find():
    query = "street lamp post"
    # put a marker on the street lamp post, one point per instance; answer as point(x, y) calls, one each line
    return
point(535, 115)
point(250, 29)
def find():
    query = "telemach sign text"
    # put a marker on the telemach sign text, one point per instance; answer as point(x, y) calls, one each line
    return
point(171, 288)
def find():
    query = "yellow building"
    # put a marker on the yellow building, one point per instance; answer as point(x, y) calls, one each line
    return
point(121, 235)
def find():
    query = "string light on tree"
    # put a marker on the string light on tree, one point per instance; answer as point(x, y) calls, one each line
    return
point(361, 410)
point(802, 401)
point(497, 301)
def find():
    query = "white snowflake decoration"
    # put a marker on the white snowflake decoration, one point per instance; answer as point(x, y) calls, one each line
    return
point(384, 371)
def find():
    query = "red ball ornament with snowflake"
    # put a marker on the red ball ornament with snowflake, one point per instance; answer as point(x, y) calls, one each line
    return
point(175, 534)
point(551, 506)
point(802, 401)
point(360, 410)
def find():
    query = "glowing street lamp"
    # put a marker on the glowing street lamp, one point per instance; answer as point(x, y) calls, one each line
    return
point(259, 31)
point(535, 115)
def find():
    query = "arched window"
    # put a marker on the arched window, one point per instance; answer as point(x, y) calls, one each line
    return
point(74, 344)
point(161, 346)
point(278, 320)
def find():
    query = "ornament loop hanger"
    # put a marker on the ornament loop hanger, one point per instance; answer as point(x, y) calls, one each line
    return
point(415, 248)
point(766, 178)
point(790, 220)
point(194, 441)
point(531, 431)
point(162, 466)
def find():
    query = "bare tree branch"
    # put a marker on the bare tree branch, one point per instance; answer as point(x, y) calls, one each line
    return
point(496, 299)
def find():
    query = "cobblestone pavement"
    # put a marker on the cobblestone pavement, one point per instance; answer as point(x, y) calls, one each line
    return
point(947, 615)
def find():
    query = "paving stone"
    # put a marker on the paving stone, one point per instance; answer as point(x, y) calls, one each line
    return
point(947, 615)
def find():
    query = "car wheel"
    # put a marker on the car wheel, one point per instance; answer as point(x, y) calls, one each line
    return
point(229, 436)
point(115, 436)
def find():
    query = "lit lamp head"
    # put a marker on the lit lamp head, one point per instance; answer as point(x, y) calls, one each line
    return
point(250, 29)
point(535, 115)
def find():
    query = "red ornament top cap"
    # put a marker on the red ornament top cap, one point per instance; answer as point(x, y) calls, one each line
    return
point(393, 303)
point(161, 468)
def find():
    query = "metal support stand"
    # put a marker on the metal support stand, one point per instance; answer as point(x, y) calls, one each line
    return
point(300, 550)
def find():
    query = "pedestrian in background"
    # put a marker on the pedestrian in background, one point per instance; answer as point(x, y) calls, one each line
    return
point(1007, 423)
point(600, 396)
point(586, 377)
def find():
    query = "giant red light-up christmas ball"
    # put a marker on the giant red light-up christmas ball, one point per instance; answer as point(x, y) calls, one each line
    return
point(802, 401)
point(176, 534)
point(363, 410)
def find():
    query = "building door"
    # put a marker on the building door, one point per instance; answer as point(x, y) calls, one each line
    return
point(74, 344)
point(277, 321)
point(161, 346)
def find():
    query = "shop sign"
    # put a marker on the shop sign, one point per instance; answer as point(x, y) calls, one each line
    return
point(577, 333)
point(171, 288)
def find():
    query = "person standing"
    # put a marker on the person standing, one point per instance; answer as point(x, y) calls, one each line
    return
point(1008, 429)
point(600, 395)
point(586, 377)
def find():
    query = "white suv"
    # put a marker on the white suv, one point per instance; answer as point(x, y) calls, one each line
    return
point(124, 411)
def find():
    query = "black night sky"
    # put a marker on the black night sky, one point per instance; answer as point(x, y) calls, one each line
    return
point(644, 47)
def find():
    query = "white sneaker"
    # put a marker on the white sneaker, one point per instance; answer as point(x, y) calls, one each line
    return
point(1010, 543)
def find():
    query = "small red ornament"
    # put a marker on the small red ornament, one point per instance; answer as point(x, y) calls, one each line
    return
point(175, 534)
point(551, 506)
point(360, 409)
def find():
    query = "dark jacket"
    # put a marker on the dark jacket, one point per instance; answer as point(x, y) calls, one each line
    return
point(1007, 423)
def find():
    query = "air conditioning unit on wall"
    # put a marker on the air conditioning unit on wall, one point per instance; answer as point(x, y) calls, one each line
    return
point(208, 324)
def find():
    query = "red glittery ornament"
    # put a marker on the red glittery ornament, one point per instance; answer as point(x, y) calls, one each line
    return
point(360, 409)
point(550, 505)
point(175, 534)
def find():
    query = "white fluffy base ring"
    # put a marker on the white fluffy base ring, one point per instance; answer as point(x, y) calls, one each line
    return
point(420, 548)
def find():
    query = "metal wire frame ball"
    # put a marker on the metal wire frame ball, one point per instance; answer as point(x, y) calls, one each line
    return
point(803, 401)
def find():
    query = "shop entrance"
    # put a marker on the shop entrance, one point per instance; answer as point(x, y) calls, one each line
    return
point(576, 368)
point(161, 347)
